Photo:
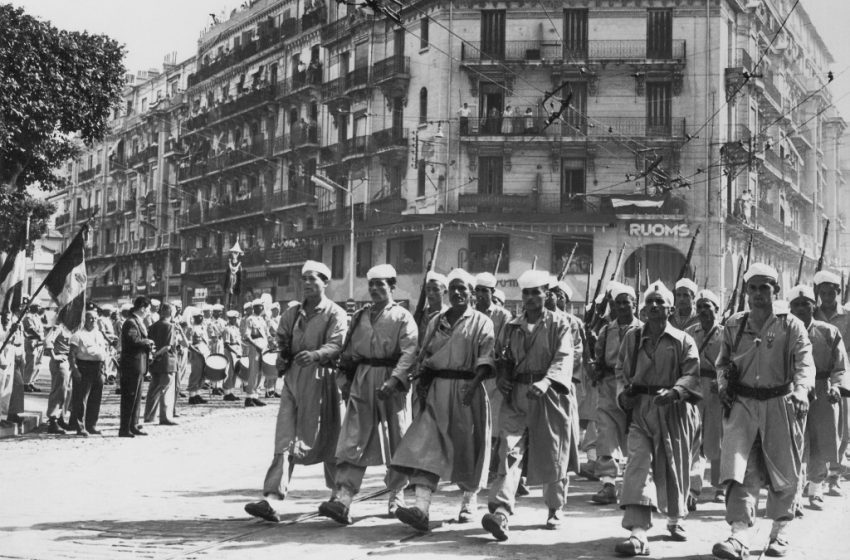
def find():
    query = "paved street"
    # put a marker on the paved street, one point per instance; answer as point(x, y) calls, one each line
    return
point(179, 493)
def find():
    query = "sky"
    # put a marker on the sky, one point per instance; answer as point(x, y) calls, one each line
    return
point(150, 29)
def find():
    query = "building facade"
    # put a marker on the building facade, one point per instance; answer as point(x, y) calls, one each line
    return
point(527, 132)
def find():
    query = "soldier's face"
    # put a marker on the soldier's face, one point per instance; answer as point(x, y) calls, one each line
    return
point(533, 298)
point(313, 284)
point(459, 293)
point(803, 309)
point(90, 320)
point(656, 308)
point(624, 306)
point(551, 301)
point(217, 314)
point(706, 310)
point(434, 293)
point(483, 297)
point(684, 299)
point(760, 292)
point(827, 293)
point(379, 290)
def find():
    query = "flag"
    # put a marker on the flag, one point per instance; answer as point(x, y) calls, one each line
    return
point(66, 282)
point(638, 201)
point(13, 268)
point(326, 183)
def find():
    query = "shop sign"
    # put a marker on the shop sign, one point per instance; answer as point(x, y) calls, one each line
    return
point(656, 229)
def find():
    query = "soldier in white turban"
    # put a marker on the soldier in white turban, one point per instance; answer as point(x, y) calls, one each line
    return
point(684, 314)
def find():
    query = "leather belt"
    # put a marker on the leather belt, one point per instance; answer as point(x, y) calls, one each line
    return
point(823, 375)
point(761, 393)
point(378, 362)
point(644, 389)
point(708, 373)
point(528, 378)
point(452, 374)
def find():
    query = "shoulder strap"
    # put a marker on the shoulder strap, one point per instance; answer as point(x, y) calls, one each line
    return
point(706, 340)
point(740, 334)
point(635, 353)
point(355, 319)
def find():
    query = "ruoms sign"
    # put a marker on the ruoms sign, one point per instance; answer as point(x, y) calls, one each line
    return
point(649, 229)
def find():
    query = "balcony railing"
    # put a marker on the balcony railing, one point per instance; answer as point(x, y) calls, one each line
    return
point(301, 136)
point(205, 264)
point(288, 198)
point(359, 145)
point(344, 26)
point(142, 156)
point(111, 206)
point(301, 81)
point(392, 67)
point(575, 126)
point(63, 219)
point(601, 50)
point(84, 213)
point(357, 78)
point(584, 207)
point(130, 204)
point(89, 174)
point(257, 147)
point(393, 137)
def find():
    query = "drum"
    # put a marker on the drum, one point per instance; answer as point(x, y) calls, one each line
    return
point(270, 365)
point(242, 368)
point(215, 367)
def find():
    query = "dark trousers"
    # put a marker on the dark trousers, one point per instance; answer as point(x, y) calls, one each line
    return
point(86, 395)
point(131, 397)
point(16, 401)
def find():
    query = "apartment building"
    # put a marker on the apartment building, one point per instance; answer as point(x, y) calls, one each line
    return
point(524, 129)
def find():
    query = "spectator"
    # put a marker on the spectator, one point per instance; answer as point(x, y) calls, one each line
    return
point(163, 369)
point(57, 348)
point(463, 112)
point(87, 357)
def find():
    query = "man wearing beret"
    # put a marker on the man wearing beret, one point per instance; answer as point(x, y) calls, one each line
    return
point(827, 290)
point(610, 418)
point(707, 333)
point(765, 371)
point(537, 418)
point(450, 437)
point(310, 338)
point(822, 436)
point(658, 368)
point(684, 314)
point(377, 355)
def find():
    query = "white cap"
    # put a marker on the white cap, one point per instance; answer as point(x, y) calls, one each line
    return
point(218, 307)
point(499, 295)
point(276, 305)
point(247, 305)
point(826, 277)
point(564, 287)
point(257, 302)
point(708, 295)
point(108, 307)
point(383, 271)
point(461, 274)
point(291, 303)
point(175, 303)
point(533, 279)
point(761, 269)
point(317, 267)
point(553, 282)
point(486, 280)
point(800, 291)
point(126, 307)
point(689, 284)
point(204, 306)
point(437, 277)
point(266, 299)
point(620, 289)
point(659, 288)
point(191, 311)
point(156, 302)
point(233, 314)
point(781, 307)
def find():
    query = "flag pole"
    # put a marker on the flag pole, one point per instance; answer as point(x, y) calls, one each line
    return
point(26, 308)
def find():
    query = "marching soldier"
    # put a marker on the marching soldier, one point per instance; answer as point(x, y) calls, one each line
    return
point(827, 289)
point(436, 286)
point(822, 436)
point(256, 336)
point(765, 371)
point(537, 416)
point(684, 314)
point(272, 321)
point(610, 418)
point(449, 438)
point(231, 338)
point(707, 334)
point(377, 355)
point(308, 422)
point(33, 330)
point(659, 367)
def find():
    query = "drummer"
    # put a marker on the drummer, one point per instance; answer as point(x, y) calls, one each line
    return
point(231, 339)
point(215, 326)
point(272, 320)
point(255, 334)
point(199, 349)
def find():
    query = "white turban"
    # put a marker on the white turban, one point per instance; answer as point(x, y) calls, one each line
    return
point(564, 287)
point(689, 284)
point(257, 302)
point(436, 277)
point(486, 280)
point(247, 305)
point(126, 307)
point(461, 274)
point(218, 307)
point(499, 295)
point(800, 291)
point(276, 305)
point(156, 302)
point(761, 269)
point(708, 295)
point(620, 289)
point(383, 271)
point(175, 303)
point(533, 279)
point(826, 277)
point(232, 314)
point(659, 288)
point(317, 267)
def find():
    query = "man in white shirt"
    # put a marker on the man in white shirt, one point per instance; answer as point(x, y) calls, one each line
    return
point(88, 356)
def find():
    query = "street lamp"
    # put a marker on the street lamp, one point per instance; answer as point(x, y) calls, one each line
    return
point(329, 185)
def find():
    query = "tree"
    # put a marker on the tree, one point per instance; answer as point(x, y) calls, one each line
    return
point(56, 88)
point(15, 206)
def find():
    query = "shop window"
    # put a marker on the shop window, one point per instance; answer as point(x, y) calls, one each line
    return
point(338, 261)
point(582, 259)
point(405, 254)
point(484, 253)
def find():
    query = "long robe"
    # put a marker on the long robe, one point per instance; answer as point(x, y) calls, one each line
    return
point(373, 428)
point(610, 418)
point(710, 408)
point(777, 354)
point(660, 437)
point(447, 438)
point(840, 319)
point(822, 435)
point(500, 317)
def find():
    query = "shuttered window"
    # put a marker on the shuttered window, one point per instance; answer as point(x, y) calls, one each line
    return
point(490, 174)
point(659, 34)
point(575, 34)
point(493, 34)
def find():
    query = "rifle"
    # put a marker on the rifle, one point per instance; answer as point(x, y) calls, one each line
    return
point(603, 307)
point(420, 305)
point(844, 287)
point(587, 287)
point(534, 263)
point(637, 277)
point(499, 259)
point(568, 263)
point(730, 307)
point(590, 313)
point(742, 297)
point(800, 267)
point(687, 264)
point(823, 247)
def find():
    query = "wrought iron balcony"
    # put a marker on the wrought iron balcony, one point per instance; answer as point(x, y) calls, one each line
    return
point(581, 207)
point(89, 174)
point(391, 67)
point(393, 137)
point(63, 219)
point(574, 126)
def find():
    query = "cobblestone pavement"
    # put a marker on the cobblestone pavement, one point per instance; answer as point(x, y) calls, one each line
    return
point(179, 493)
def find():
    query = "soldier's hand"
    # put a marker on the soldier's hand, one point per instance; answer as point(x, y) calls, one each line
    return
point(538, 389)
point(800, 400)
point(422, 388)
point(387, 390)
point(468, 393)
point(727, 399)
point(625, 401)
point(505, 385)
point(665, 397)
point(344, 386)
point(305, 358)
point(834, 394)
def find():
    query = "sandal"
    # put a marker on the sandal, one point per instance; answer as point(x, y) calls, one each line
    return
point(632, 546)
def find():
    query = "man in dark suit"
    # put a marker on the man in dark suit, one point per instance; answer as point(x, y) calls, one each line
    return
point(163, 369)
point(136, 348)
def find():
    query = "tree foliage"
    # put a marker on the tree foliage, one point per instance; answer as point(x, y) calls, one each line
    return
point(15, 206)
point(55, 87)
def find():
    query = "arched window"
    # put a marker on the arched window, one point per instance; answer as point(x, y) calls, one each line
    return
point(423, 105)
